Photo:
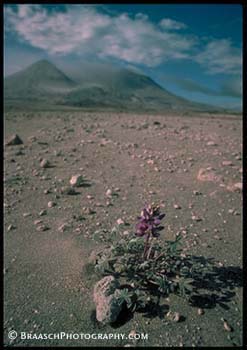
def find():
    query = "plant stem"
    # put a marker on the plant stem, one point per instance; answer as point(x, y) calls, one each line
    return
point(150, 249)
point(146, 245)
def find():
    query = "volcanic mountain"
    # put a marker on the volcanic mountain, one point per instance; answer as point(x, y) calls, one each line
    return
point(100, 87)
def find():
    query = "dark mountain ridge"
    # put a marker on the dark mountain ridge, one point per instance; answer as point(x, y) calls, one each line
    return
point(117, 88)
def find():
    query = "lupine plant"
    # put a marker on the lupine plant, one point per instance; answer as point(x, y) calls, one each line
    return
point(146, 266)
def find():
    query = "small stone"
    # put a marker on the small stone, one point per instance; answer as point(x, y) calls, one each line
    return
point(226, 325)
point(176, 206)
point(68, 190)
point(227, 163)
point(32, 138)
point(109, 193)
point(42, 228)
point(208, 174)
point(120, 222)
point(14, 140)
point(26, 214)
point(76, 180)
point(45, 163)
point(200, 311)
point(42, 212)
point(174, 316)
point(238, 186)
point(37, 222)
point(11, 227)
point(196, 218)
point(211, 143)
point(51, 204)
point(126, 233)
point(63, 227)
point(90, 197)
point(196, 193)
point(89, 211)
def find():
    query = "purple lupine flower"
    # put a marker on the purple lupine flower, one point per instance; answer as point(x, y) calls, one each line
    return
point(149, 221)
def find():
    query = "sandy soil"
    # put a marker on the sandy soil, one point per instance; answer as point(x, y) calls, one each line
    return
point(143, 158)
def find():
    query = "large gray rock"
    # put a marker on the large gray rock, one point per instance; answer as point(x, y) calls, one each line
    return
point(14, 140)
point(106, 298)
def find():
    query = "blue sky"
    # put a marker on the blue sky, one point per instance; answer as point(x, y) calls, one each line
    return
point(194, 51)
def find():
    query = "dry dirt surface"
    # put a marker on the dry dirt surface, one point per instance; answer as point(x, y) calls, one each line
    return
point(190, 165)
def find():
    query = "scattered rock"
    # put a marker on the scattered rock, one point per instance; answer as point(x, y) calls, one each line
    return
point(207, 174)
point(226, 325)
point(11, 227)
point(109, 193)
point(37, 222)
point(68, 190)
point(196, 218)
point(63, 227)
point(45, 163)
point(89, 211)
point(76, 180)
point(200, 311)
point(42, 212)
point(26, 215)
point(14, 140)
point(174, 316)
point(176, 206)
point(32, 138)
point(237, 187)
point(42, 228)
point(120, 222)
point(90, 197)
point(227, 163)
point(51, 204)
point(196, 193)
point(106, 298)
point(211, 143)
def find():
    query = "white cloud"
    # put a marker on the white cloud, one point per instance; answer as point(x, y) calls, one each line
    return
point(84, 30)
point(167, 23)
point(219, 56)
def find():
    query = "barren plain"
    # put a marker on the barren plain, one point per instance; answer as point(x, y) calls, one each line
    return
point(190, 164)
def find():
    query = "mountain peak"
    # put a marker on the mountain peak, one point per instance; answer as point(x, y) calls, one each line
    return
point(40, 78)
point(43, 62)
point(44, 66)
point(91, 86)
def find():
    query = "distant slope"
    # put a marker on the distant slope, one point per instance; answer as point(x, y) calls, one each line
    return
point(123, 88)
point(39, 81)
point(98, 87)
